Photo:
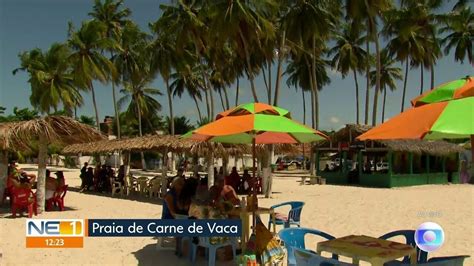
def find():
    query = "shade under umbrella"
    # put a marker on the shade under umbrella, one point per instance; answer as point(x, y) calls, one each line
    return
point(255, 123)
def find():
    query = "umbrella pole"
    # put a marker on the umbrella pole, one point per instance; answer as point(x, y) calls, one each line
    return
point(472, 150)
point(254, 186)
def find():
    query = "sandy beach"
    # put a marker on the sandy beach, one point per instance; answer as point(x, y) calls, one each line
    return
point(337, 210)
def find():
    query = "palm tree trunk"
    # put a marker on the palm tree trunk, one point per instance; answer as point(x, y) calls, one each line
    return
point(114, 98)
point(249, 67)
point(269, 64)
point(279, 69)
point(208, 104)
point(377, 73)
point(383, 104)
point(367, 92)
point(3, 171)
point(432, 76)
point(226, 97)
point(315, 85)
point(140, 131)
point(41, 181)
point(211, 94)
point(304, 106)
point(313, 120)
point(170, 102)
point(265, 79)
point(97, 122)
point(374, 110)
point(237, 93)
point(197, 107)
point(404, 86)
point(222, 100)
point(421, 78)
point(357, 96)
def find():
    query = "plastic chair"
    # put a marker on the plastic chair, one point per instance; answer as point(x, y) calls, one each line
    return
point(293, 215)
point(142, 183)
point(409, 235)
point(155, 187)
point(294, 238)
point(117, 188)
point(57, 199)
point(211, 249)
point(6, 193)
point(23, 198)
point(130, 184)
point(307, 258)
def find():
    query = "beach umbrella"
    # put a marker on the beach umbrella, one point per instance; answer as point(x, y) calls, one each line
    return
point(255, 123)
point(455, 89)
point(452, 119)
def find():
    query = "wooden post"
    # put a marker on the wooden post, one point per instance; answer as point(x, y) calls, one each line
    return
point(427, 163)
point(443, 164)
point(410, 159)
point(317, 162)
point(390, 162)
point(344, 161)
point(41, 184)
point(360, 162)
point(3, 171)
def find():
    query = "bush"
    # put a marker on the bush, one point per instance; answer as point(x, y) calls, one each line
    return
point(69, 162)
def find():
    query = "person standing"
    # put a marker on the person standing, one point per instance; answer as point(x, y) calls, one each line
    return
point(83, 176)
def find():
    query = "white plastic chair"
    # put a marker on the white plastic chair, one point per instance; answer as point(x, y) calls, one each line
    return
point(154, 187)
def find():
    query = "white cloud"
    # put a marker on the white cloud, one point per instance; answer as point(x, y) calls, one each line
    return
point(334, 120)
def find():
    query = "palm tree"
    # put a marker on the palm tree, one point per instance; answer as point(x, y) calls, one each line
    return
point(349, 55)
point(245, 25)
point(389, 73)
point(87, 61)
point(460, 26)
point(140, 98)
point(182, 124)
point(407, 41)
point(188, 80)
point(308, 27)
point(114, 18)
point(51, 80)
point(371, 10)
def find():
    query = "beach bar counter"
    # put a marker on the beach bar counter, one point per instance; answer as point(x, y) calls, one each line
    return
point(387, 163)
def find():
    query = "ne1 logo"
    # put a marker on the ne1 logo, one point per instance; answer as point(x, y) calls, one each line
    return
point(54, 233)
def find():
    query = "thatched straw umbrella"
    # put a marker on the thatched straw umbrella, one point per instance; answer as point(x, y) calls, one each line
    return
point(46, 130)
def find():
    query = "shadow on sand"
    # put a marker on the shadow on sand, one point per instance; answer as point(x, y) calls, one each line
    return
point(149, 255)
point(134, 196)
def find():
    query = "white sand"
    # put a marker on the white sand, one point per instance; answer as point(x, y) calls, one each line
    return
point(337, 210)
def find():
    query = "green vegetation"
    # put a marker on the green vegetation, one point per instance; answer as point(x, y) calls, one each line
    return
point(203, 50)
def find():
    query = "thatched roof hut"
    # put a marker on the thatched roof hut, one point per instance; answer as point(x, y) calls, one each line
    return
point(348, 134)
point(52, 129)
point(166, 142)
point(435, 148)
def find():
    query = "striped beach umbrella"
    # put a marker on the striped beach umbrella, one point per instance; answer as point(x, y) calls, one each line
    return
point(452, 119)
point(455, 89)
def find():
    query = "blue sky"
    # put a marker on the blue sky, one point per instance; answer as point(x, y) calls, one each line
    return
point(27, 24)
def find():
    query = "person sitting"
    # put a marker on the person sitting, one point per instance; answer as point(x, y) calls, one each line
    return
point(222, 191)
point(89, 178)
point(202, 191)
point(180, 174)
point(60, 178)
point(234, 179)
point(170, 203)
point(83, 176)
point(185, 197)
point(51, 185)
point(121, 175)
point(96, 179)
point(103, 179)
point(244, 188)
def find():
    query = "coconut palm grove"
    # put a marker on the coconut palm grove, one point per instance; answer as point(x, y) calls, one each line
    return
point(348, 121)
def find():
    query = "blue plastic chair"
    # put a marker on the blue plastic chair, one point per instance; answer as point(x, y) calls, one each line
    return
point(305, 257)
point(409, 235)
point(294, 238)
point(294, 214)
point(211, 249)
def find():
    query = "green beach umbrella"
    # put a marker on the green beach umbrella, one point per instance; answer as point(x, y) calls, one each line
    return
point(455, 89)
